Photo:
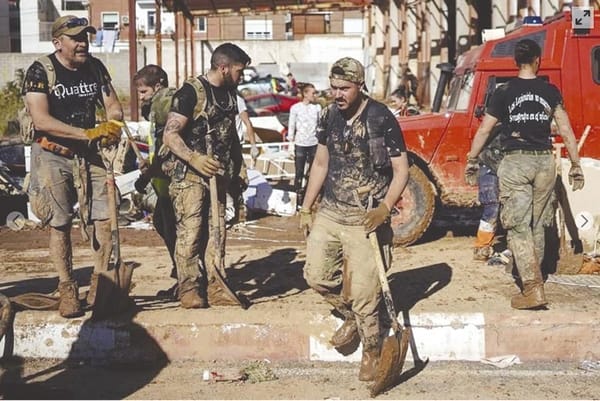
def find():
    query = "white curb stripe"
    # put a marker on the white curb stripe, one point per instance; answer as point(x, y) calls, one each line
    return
point(438, 336)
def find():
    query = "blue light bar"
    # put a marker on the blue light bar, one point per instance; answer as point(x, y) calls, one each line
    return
point(532, 20)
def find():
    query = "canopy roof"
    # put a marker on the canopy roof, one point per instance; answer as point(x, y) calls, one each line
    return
point(224, 7)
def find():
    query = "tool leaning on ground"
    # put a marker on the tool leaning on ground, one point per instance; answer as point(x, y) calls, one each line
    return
point(395, 346)
point(571, 257)
point(112, 294)
point(217, 286)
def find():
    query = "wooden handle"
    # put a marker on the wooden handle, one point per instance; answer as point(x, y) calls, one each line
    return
point(385, 286)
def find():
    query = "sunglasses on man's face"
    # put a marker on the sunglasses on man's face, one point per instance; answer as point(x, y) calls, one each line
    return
point(74, 22)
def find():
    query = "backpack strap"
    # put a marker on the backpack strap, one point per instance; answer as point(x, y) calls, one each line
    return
point(200, 108)
point(50, 71)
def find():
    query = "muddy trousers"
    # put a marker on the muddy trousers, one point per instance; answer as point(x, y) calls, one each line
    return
point(340, 265)
point(527, 207)
point(191, 204)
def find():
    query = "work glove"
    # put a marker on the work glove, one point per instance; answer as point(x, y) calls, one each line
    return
point(576, 177)
point(243, 179)
point(254, 152)
point(108, 132)
point(472, 171)
point(204, 164)
point(306, 221)
point(375, 217)
point(141, 183)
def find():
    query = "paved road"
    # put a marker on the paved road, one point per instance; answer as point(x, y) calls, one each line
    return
point(183, 380)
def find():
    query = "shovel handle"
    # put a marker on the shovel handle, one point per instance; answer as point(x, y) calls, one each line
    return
point(385, 286)
point(136, 150)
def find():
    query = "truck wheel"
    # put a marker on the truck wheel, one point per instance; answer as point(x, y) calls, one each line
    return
point(414, 211)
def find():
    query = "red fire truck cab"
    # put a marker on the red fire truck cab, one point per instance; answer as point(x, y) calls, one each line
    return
point(438, 142)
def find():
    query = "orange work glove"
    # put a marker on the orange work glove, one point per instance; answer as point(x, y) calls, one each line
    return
point(109, 132)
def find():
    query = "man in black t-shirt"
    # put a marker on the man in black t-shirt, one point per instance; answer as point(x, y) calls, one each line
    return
point(65, 141)
point(360, 146)
point(188, 123)
point(526, 106)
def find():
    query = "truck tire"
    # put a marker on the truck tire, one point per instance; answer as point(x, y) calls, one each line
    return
point(414, 211)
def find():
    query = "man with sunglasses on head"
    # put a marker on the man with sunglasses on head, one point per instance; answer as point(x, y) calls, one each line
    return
point(361, 165)
point(65, 160)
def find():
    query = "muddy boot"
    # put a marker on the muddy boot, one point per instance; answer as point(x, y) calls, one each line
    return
point(190, 297)
point(69, 305)
point(483, 253)
point(346, 334)
point(531, 297)
point(368, 364)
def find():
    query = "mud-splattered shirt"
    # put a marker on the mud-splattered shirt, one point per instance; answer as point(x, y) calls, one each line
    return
point(74, 97)
point(526, 108)
point(359, 155)
point(221, 109)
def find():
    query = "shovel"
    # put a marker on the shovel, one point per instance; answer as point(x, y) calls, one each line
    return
point(217, 286)
point(395, 346)
point(570, 257)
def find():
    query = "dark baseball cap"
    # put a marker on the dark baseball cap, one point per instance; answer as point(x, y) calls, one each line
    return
point(71, 25)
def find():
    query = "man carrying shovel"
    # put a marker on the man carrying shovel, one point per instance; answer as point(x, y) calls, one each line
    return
point(360, 146)
point(203, 112)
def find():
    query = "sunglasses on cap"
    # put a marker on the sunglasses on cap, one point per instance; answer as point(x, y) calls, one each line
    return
point(74, 22)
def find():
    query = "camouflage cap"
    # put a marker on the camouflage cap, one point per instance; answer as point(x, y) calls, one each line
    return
point(71, 25)
point(348, 69)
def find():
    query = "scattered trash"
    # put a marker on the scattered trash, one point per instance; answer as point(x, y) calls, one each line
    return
point(502, 361)
point(500, 258)
point(224, 375)
point(258, 371)
point(590, 363)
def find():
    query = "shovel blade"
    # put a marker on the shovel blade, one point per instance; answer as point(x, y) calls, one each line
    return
point(391, 361)
point(569, 262)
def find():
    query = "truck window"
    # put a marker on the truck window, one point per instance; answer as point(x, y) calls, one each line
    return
point(596, 64)
point(506, 48)
point(460, 92)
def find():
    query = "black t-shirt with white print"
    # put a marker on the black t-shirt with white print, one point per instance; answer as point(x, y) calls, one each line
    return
point(526, 107)
point(73, 98)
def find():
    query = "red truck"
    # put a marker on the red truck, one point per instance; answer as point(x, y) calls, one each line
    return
point(438, 142)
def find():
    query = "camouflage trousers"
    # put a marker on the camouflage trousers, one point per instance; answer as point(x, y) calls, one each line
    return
point(527, 207)
point(340, 265)
point(191, 205)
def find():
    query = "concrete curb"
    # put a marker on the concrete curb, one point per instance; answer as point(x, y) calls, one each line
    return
point(533, 336)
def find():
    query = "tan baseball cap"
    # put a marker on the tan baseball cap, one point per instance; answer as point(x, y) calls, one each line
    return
point(348, 69)
point(71, 25)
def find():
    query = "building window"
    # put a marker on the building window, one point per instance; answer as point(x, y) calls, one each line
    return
point(200, 24)
point(353, 26)
point(68, 5)
point(310, 23)
point(151, 21)
point(261, 29)
point(110, 21)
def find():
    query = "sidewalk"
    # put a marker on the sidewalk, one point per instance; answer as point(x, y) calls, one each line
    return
point(459, 309)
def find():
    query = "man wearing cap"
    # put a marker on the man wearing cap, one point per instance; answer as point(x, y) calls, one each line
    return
point(65, 154)
point(360, 163)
